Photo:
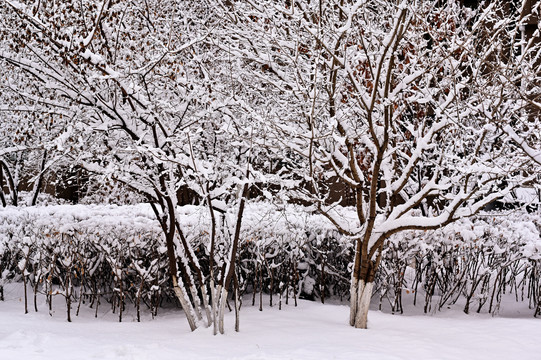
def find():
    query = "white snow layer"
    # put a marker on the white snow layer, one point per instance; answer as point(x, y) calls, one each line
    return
point(309, 331)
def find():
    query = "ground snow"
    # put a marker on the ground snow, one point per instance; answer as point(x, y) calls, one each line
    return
point(310, 331)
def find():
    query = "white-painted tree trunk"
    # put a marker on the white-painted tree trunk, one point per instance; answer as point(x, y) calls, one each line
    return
point(361, 293)
point(237, 310)
point(213, 294)
point(186, 305)
point(221, 312)
point(353, 301)
point(204, 295)
point(197, 307)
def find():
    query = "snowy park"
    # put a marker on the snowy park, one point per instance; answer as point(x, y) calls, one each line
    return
point(270, 179)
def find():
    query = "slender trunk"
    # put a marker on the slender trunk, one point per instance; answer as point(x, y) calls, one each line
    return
point(261, 287)
point(10, 182)
point(237, 310)
point(36, 283)
point(205, 297)
point(51, 303)
point(81, 289)
point(237, 304)
point(233, 256)
point(193, 265)
point(25, 293)
point(322, 280)
point(2, 197)
point(138, 301)
point(120, 299)
point(221, 310)
point(68, 296)
point(186, 266)
point(271, 273)
point(229, 272)
point(213, 300)
point(39, 182)
point(496, 285)
point(195, 297)
point(354, 288)
point(97, 304)
point(254, 282)
point(184, 302)
point(80, 300)
point(49, 291)
point(211, 264)
point(295, 282)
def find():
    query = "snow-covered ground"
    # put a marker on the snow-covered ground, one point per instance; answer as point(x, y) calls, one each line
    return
point(309, 331)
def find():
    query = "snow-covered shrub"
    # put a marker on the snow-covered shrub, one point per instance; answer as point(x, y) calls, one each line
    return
point(84, 253)
point(290, 252)
point(478, 259)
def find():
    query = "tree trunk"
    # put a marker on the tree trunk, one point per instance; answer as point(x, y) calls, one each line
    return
point(36, 284)
point(211, 319)
point(10, 183)
point(361, 293)
point(68, 295)
point(213, 301)
point(193, 265)
point(2, 197)
point(362, 285)
point(185, 303)
point(25, 292)
point(237, 304)
point(222, 299)
point(39, 182)
point(167, 222)
point(229, 272)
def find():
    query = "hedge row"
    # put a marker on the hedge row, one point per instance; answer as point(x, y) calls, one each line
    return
point(117, 256)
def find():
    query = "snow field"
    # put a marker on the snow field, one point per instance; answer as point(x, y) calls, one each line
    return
point(310, 331)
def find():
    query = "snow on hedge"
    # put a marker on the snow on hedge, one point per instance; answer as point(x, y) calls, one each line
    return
point(90, 253)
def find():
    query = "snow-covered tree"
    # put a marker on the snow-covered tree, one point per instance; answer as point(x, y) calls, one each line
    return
point(152, 105)
point(399, 103)
point(29, 138)
point(130, 75)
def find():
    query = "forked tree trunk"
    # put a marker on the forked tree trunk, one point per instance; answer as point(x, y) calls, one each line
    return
point(193, 265)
